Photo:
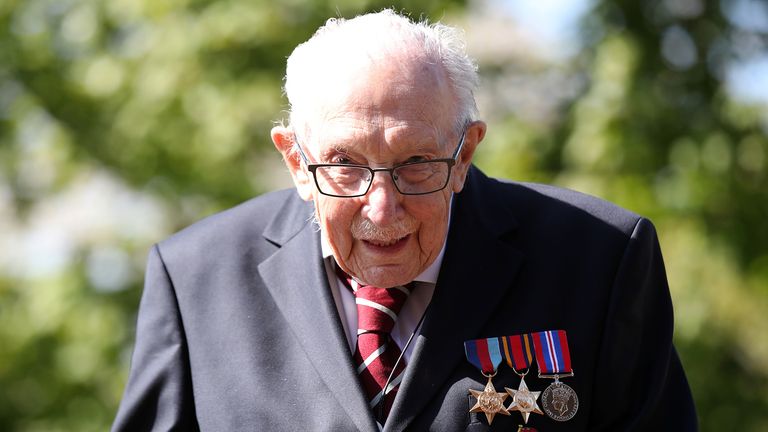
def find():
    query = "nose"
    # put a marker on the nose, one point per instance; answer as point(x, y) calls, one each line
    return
point(383, 204)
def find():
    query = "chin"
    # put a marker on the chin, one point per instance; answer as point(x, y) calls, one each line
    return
point(389, 276)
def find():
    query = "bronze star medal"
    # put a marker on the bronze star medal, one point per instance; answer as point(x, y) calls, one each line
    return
point(523, 400)
point(489, 401)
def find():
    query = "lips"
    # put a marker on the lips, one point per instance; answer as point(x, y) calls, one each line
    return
point(391, 246)
point(384, 243)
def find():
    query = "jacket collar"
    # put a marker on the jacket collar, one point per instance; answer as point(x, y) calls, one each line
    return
point(296, 278)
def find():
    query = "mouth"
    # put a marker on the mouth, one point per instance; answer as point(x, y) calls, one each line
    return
point(392, 245)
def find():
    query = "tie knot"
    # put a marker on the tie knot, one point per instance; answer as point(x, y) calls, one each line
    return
point(377, 308)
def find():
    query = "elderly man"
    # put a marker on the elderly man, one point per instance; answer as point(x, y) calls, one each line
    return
point(389, 290)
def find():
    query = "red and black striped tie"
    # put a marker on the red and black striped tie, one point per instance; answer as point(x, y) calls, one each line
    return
point(376, 353)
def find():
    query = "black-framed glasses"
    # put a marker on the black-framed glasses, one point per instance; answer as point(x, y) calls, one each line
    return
point(410, 178)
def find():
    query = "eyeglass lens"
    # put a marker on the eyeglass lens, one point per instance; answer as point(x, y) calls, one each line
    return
point(415, 178)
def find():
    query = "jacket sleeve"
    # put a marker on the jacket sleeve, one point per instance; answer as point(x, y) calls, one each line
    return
point(641, 384)
point(158, 396)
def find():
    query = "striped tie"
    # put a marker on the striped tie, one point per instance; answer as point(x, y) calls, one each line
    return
point(376, 354)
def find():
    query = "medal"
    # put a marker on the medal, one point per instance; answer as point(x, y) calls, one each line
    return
point(553, 357)
point(523, 400)
point(485, 354)
point(560, 401)
point(518, 352)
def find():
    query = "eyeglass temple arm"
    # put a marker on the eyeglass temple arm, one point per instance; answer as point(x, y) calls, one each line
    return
point(461, 144)
point(301, 152)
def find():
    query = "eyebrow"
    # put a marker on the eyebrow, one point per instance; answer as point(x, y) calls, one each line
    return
point(343, 149)
point(422, 146)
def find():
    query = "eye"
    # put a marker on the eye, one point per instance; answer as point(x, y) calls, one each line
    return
point(342, 160)
point(413, 159)
point(339, 156)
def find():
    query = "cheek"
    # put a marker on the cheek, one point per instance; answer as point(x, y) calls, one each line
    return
point(433, 218)
point(336, 219)
point(432, 234)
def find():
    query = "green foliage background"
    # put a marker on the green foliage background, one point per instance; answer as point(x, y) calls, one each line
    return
point(165, 106)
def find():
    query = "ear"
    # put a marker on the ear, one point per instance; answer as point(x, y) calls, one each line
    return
point(284, 140)
point(474, 134)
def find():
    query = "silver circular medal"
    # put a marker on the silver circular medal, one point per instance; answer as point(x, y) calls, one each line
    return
point(560, 401)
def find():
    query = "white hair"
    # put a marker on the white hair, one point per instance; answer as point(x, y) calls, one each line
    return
point(367, 38)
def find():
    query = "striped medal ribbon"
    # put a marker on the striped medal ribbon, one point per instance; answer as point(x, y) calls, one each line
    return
point(554, 360)
point(518, 351)
point(486, 355)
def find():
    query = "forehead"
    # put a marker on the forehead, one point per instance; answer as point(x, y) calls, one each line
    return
point(388, 103)
point(351, 130)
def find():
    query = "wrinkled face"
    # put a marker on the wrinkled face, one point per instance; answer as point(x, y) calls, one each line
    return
point(392, 116)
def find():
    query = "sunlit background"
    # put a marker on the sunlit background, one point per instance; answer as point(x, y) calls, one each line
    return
point(122, 121)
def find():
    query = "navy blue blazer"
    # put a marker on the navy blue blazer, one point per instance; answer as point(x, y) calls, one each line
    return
point(238, 331)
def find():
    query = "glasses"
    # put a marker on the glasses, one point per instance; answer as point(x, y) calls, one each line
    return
point(410, 178)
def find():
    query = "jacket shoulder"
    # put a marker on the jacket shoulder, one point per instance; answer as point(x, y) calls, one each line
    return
point(553, 201)
point(553, 207)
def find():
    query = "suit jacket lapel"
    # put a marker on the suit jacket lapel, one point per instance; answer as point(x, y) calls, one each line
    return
point(478, 269)
point(295, 276)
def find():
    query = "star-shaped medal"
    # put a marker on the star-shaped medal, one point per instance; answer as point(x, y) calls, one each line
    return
point(523, 400)
point(489, 401)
